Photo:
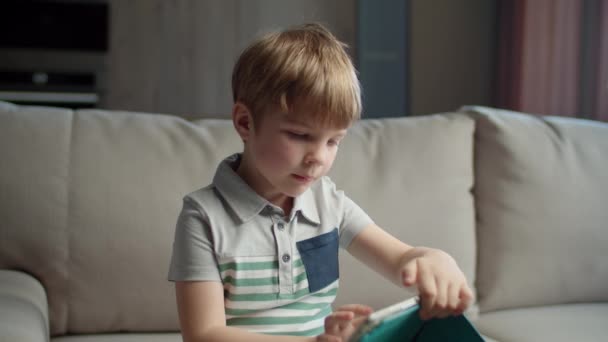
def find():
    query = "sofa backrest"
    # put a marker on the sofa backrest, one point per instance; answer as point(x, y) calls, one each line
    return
point(89, 203)
point(89, 200)
point(414, 178)
point(541, 190)
point(34, 150)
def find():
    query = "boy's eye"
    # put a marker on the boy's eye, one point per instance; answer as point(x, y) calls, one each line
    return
point(296, 135)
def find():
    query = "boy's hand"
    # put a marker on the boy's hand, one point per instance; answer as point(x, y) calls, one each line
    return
point(442, 286)
point(342, 323)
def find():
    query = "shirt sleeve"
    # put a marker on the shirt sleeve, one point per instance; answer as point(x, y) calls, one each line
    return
point(193, 257)
point(352, 218)
point(353, 222)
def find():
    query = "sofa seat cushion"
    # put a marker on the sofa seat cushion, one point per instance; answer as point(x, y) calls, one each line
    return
point(126, 337)
point(568, 322)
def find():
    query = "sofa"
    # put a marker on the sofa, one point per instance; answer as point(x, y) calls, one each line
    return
point(89, 200)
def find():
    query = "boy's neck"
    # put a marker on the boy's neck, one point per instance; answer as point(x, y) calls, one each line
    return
point(256, 182)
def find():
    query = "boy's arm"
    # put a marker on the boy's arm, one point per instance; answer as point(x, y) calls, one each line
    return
point(440, 283)
point(200, 306)
point(202, 318)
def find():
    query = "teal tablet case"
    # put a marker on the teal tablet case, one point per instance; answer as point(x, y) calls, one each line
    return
point(407, 326)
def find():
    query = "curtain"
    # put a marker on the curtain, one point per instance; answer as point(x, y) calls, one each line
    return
point(553, 57)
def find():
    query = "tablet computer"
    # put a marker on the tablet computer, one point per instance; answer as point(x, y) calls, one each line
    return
point(401, 322)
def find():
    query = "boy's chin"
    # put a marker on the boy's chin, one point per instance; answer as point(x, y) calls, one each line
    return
point(295, 192)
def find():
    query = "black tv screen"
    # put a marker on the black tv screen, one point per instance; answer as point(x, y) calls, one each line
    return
point(54, 24)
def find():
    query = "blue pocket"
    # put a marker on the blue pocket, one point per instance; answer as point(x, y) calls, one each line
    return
point(320, 258)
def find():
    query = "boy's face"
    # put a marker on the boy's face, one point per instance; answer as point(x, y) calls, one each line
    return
point(287, 154)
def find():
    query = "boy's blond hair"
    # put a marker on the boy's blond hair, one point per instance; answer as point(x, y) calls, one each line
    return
point(305, 65)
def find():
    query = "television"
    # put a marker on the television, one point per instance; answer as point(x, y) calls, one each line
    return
point(54, 24)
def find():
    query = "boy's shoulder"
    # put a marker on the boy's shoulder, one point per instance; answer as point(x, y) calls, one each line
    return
point(203, 197)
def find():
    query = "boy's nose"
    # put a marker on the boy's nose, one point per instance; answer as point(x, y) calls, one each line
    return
point(316, 156)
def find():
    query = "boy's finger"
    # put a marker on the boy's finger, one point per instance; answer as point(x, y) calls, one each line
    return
point(409, 273)
point(336, 322)
point(329, 338)
point(454, 298)
point(340, 316)
point(358, 321)
point(335, 318)
point(466, 297)
point(357, 309)
point(441, 300)
point(466, 292)
point(427, 289)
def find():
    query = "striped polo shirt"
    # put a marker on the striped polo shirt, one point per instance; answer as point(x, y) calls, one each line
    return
point(279, 270)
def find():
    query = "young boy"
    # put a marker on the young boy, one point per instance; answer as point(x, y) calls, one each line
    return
point(255, 256)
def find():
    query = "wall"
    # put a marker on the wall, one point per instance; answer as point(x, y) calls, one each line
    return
point(452, 54)
point(177, 56)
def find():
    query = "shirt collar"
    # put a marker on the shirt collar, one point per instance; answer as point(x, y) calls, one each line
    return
point(246, 203)
point(306, 205)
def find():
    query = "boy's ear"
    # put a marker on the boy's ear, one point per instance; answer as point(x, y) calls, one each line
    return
point(242, 120)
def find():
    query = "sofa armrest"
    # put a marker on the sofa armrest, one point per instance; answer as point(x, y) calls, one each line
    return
point(24, 314)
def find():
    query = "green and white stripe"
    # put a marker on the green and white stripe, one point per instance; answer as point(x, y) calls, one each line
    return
point(253, 302)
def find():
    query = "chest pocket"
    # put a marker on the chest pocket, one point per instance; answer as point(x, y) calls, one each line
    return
point(320, 258)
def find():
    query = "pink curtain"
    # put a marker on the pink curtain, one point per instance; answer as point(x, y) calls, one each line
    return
point(601, 106)
point(540, 58)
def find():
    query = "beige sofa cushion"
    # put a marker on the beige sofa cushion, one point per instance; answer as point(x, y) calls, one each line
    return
point(129, 172)
point(34, 145)
point(89, 204)
point(541, 189)
point(413, 176)
point(556, 323)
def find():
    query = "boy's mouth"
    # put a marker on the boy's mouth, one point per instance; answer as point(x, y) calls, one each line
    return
point(303, 179)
